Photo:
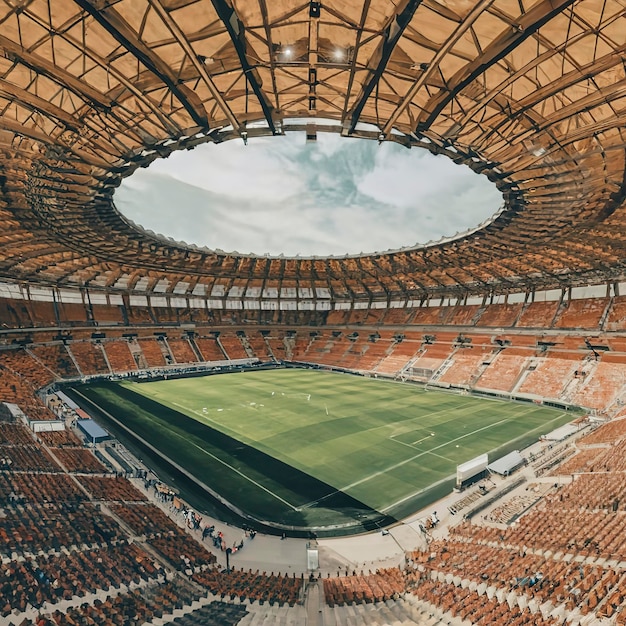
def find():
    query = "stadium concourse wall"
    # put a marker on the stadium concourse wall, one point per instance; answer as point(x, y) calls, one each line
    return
point(599, 306)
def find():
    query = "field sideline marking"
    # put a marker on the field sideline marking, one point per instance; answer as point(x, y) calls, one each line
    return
point(254, 482)
point(220, 426)
point(204, 416)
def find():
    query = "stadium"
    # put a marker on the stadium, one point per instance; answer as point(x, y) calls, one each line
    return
point(434, 434)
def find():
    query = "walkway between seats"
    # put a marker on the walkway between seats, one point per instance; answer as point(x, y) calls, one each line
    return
point(314, 615)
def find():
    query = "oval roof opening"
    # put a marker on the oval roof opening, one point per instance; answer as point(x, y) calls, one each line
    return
point(286, 196)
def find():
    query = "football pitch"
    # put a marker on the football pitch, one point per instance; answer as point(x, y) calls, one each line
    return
point(309, 448)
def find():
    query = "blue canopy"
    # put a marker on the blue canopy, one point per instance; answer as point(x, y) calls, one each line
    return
point(95, 432)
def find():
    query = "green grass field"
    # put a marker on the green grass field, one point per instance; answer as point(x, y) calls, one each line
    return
point(311, 448)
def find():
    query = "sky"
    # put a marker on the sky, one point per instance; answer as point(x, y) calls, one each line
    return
point(280, 195)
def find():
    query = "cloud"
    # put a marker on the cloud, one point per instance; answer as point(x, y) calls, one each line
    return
point(442, 197)
point(327, 145)
point(266, 168)
point(280, 195)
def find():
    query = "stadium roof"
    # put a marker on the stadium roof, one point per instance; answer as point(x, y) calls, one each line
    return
point(530, 93)
point(94, 431)
point(506, 464)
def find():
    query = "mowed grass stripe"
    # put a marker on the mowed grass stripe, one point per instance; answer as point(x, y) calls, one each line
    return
point(415, 457)
point(352, 433)
point(441, 457)
point(234, 470)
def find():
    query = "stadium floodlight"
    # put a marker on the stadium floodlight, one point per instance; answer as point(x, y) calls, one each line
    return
point(315, 9)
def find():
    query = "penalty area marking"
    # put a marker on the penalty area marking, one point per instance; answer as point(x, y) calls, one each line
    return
point(467, 414)
point(405, 461)
point(201, 414)
point(289, 394)
point(414, 443)
point(417, 456)
point(420, 491)
point(410, 445)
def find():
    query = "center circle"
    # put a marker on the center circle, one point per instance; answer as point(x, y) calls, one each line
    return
point(284, 196)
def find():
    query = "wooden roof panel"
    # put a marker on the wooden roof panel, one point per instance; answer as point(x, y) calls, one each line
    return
point(530, 93)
